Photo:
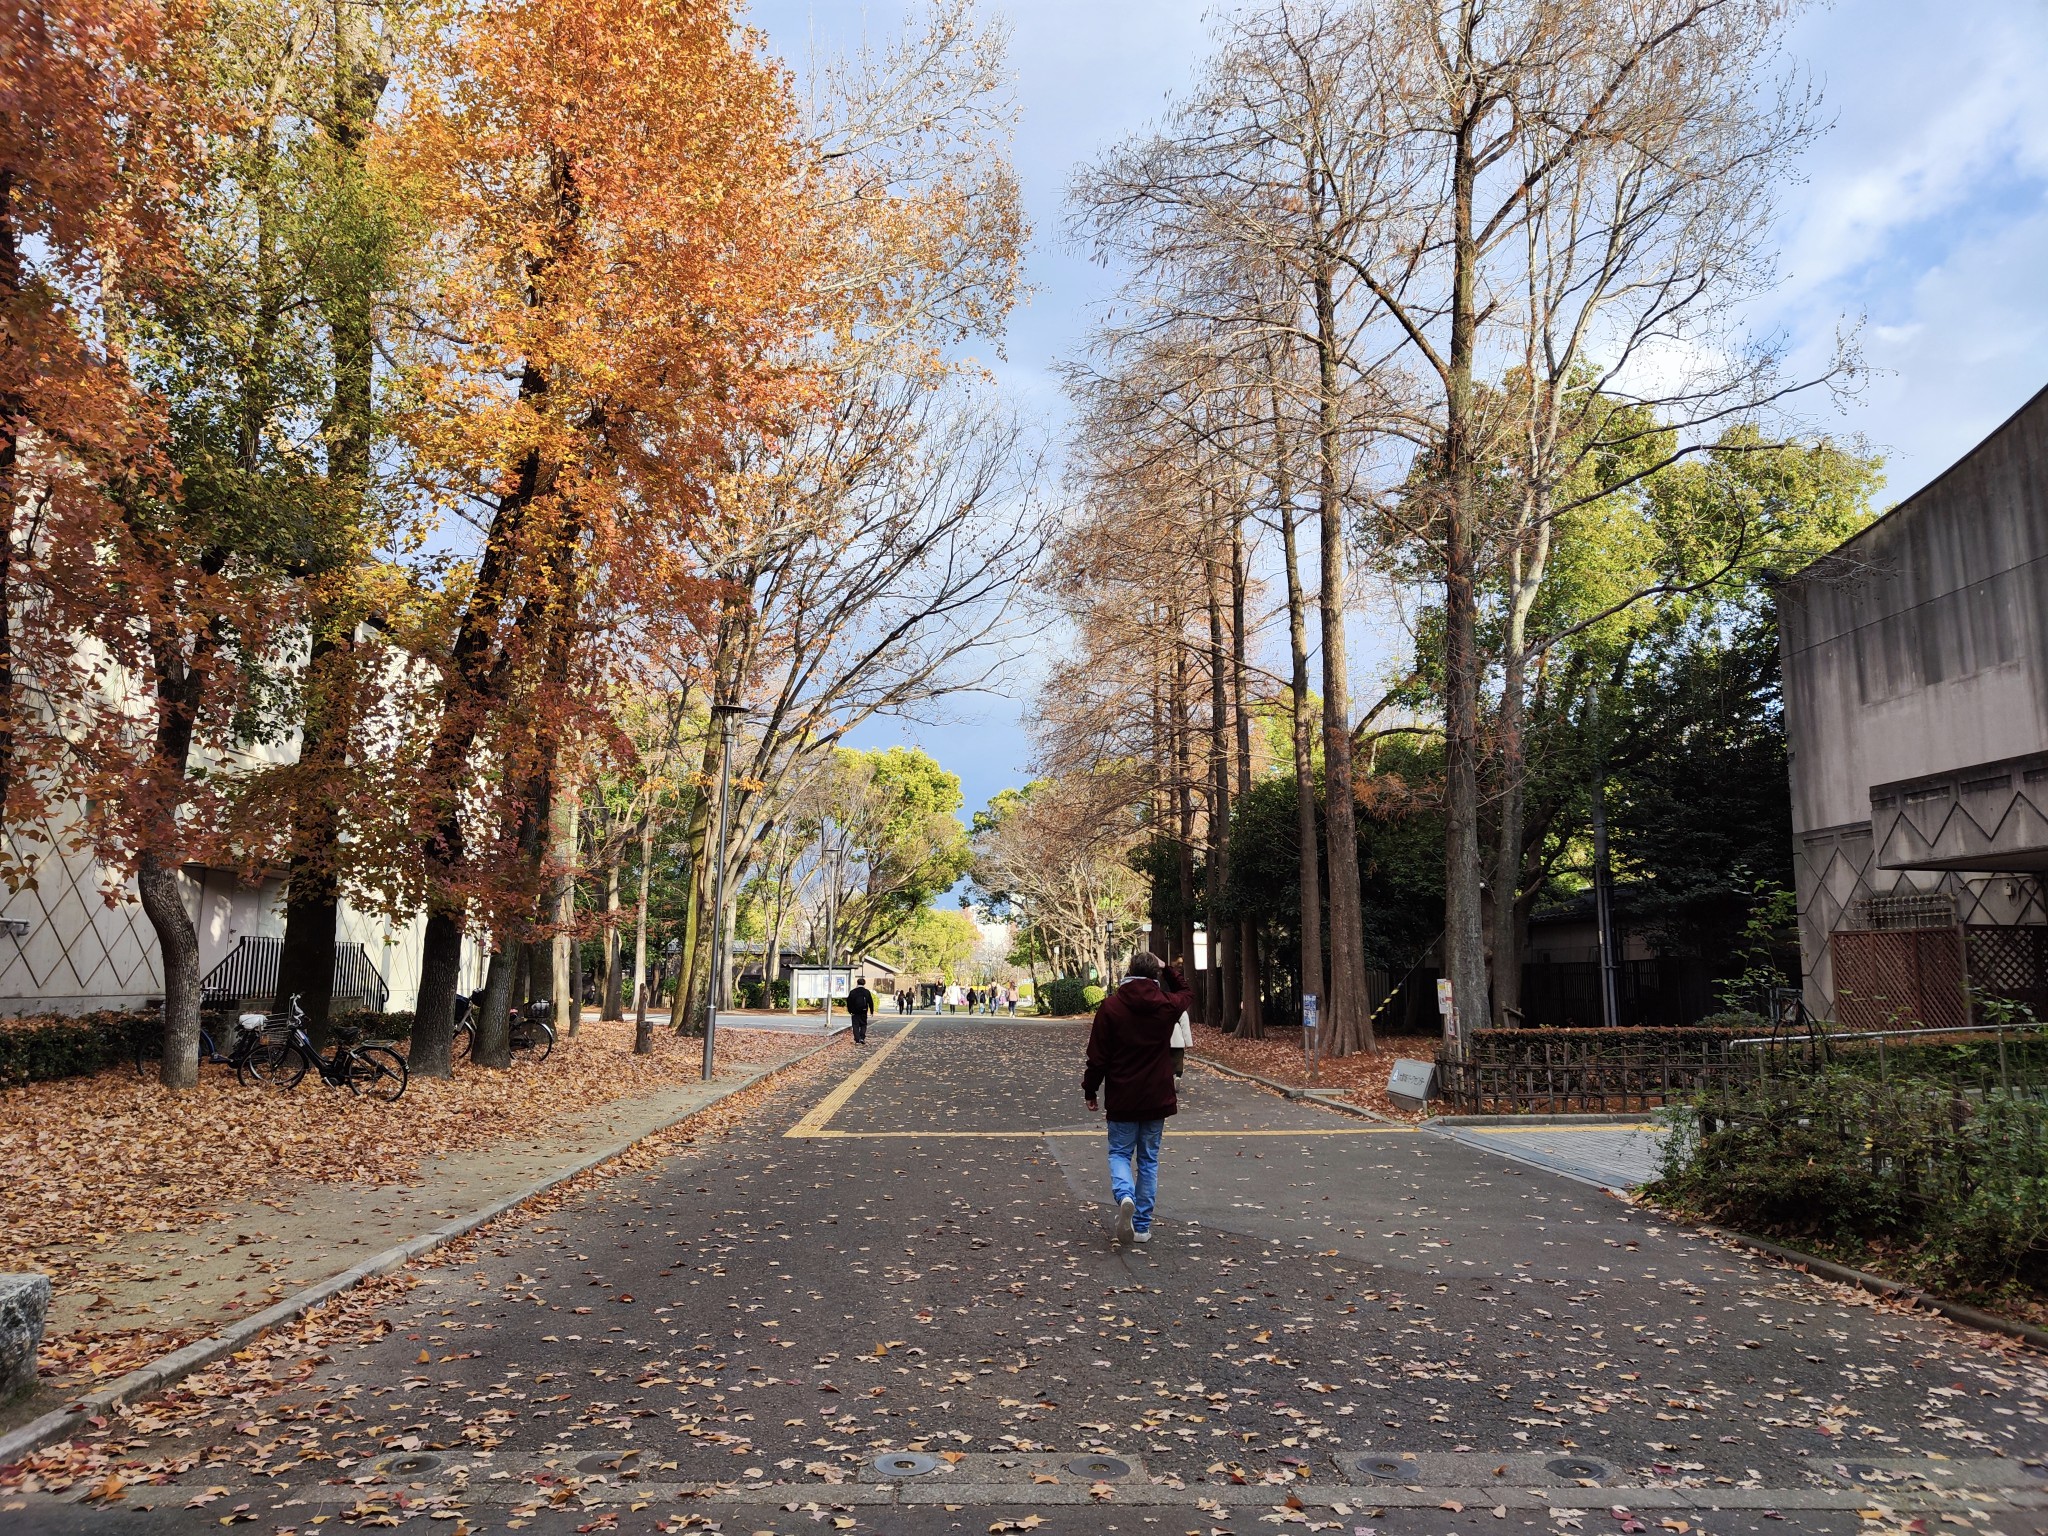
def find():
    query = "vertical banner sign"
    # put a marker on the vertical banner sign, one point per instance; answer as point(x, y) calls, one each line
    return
point(1310, 1030)
point(1447, 1005)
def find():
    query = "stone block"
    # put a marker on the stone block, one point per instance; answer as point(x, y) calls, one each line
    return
point(24, 1303)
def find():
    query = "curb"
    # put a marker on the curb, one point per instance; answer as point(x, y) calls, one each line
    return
point(1646, 1117)
point(1893, 1290)
point(1317, 1096)
point(61, 1423)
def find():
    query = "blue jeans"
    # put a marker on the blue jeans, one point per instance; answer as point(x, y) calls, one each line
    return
point(1140, 1138)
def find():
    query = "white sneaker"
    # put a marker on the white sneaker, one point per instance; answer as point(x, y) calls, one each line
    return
point(1142, 1237)
point(1126, 1208)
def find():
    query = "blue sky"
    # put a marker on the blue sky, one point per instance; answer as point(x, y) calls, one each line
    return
point(1922, 217)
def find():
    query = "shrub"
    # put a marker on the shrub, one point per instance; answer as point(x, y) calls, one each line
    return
point(1091, 998)
point(43, 1048)
point(1066, 995)
point(1542, 1047)
point(1955, 1184)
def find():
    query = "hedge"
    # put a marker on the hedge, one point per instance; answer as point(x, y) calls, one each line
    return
point(1541, 1047)
point(43, 1048)
point(1067, 994)
point(1948, 1187)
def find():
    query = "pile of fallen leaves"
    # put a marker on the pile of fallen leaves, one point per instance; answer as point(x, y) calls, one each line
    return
point(1359, 1079)
point(87, 1159)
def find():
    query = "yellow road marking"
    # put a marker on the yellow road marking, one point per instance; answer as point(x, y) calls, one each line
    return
point(822, 1112)
point(1347, 1130)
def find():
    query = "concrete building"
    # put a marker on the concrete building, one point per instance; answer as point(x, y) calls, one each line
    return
point(1916, 702)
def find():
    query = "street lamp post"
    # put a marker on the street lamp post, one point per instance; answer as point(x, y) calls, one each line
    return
point(723, 714)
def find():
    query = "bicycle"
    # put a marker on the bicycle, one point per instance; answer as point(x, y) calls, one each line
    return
point(148, 1044)
point(532, 1035)
point(375, 1070)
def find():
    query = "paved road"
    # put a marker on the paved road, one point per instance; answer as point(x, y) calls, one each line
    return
point(1393, 1330)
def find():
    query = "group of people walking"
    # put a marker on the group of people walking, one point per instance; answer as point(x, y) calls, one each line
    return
point(954, 998)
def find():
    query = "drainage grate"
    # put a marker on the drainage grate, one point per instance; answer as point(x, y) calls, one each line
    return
point(1575, 1467)
point(905, 1463)
point(408, 1464)
point(1099, 1467)
point(1381, 1469)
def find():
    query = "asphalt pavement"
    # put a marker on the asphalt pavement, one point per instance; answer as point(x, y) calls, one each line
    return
point(895, 1307)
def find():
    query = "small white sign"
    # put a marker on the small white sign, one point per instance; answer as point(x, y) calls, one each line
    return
point(1309, 1005)
point(1444, 1002)
point(1412, 1083)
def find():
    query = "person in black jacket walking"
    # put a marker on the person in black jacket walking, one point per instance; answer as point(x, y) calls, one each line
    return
point(1130, 1054)
point(860, 1002)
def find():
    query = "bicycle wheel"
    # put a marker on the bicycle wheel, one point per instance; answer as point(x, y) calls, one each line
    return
point(533, 1039)
point(464, 1044)
point(378, 1072)
point(274, 1064)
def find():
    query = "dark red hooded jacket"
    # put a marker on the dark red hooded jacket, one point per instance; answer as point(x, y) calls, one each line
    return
point(1130, 1047)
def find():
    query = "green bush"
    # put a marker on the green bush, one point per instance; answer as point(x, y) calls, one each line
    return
point(1951, 1184)
point(43, 1048)
point(751, 993)
point(1091, 998)
point(1067, 995)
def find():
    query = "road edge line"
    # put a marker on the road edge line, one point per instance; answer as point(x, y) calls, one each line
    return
point(167, 1370)
point(820, 1114)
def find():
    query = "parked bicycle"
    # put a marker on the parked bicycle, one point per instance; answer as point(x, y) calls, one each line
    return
point(373, 1070)
point(532, 1035)
point(148, 1044)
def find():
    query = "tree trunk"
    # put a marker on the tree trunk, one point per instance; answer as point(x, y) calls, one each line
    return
point(1183, 779)
point(1222, 975)
point(640, 990)
point(1303, 739)
point(1464, 920)
point(177, 942)
point(313, 901)
point(567, 992)
point(643, 1026)
point(1249, 1020)
point(695, 945)
point(1347, 1011)
point(614, 946)
point(428, 1052)
point(492, 1044)
point(1510, 912)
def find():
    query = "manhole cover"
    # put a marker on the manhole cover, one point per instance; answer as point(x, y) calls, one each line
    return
point(609, 1461)
point(905, 1464)
point(1099, 1466)
point(1574, 1467)
point(409, 1464)
point(1385, 1469)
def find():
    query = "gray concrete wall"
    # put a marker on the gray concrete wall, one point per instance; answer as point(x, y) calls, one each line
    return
point(1919, 647)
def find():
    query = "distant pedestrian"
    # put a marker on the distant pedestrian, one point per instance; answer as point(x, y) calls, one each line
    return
point(1130, 1052)
point(860, 1002)
point(1010, 998)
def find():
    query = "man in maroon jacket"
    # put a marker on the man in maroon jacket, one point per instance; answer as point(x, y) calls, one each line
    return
point(1130, 1050)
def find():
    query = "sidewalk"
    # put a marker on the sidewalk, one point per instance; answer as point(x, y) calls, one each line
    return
point(147, 1293)
point(1616, 1157)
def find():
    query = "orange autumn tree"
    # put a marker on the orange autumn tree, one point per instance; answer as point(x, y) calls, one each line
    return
point(625, 241)
point(89, 153)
